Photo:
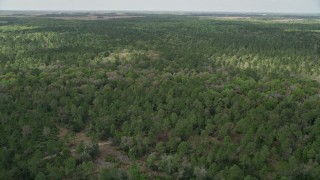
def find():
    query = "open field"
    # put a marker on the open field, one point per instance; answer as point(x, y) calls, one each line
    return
point(225, 17)
point(287, 20)
point(87, 18)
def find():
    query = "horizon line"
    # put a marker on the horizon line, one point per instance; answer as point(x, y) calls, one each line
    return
point(197, 11)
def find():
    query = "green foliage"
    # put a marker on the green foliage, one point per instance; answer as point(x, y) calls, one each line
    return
point(112, 174)
point(193, 98)
point(135, 173)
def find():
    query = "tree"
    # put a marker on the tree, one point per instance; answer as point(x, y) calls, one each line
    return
point(87, 169)
point(40, 176)
point(135, 172)
point(70, 166)
point(234, 172)
point(200, 172)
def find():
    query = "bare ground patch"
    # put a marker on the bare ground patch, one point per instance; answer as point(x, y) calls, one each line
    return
point(105, 149)
point(287, 20)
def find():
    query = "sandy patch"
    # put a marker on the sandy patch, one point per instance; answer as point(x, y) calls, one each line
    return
point(287, 20)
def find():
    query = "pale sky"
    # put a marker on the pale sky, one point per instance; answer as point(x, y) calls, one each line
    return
point(291, 6)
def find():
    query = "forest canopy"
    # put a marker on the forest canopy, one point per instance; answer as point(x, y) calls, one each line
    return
point(182, 97)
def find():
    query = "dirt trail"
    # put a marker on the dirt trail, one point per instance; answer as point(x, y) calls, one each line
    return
point(105, 149)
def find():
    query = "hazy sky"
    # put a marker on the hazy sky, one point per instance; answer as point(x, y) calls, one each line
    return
point(302, 6)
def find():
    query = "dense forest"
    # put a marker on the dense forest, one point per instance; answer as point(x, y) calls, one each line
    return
point(183, 97)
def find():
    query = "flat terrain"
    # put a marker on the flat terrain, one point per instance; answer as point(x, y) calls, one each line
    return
point(225, 17)
point(159, 96)
point(88, 18)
